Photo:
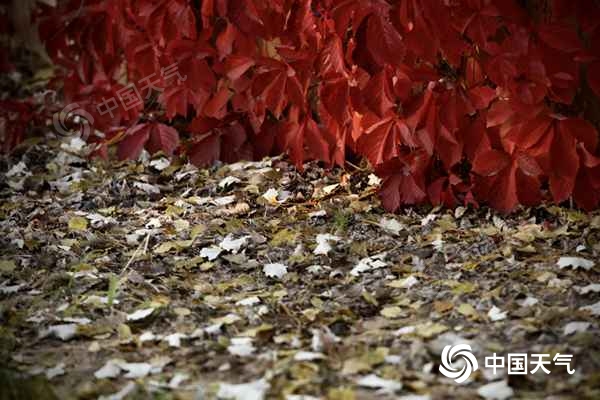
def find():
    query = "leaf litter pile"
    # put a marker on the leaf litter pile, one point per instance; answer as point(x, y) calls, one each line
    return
point(254, 281)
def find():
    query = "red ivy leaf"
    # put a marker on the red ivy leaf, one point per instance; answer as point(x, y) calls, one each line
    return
point(162, 137)
point(155, 136)
point(132, 145)
point(403, 181)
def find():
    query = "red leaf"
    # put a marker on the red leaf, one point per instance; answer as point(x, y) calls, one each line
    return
point(582, 130)
point(403, 181)
point(560, 36)
point(132, 145)
point(529, 165)
point(217, 106)
point(301, 138)
point(381, 141)
point(500, 113)
point(206, 151)
point(236, 66)
point(565, 164)
point(225, 41)
point(385, 43)
point(378, 95)
point(277, 85)
point(482, 96)
point(162, 137)
point(490, 162)
point(593, 77)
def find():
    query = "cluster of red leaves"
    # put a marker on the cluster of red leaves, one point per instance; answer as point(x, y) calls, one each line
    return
point(451, 101)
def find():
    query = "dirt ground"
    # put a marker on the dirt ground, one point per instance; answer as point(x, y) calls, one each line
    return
point(252, 280)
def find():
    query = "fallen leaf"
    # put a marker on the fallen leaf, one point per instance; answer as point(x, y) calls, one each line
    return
point(255, 390)
point(241, 347)
point(391, 225)
point(368, 264)
point(575, 327)
point(575, 262)
point(140, 314)
point(496, 391)
point(275, 270)
point(78, 224)
point(372, 381)
point(63, 331)
point(233, 245)
point(323, 243)
point(495, 314)
point(211, 253)
point(594, 309)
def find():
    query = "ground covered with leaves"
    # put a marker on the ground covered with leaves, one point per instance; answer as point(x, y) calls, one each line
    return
point(254, 280)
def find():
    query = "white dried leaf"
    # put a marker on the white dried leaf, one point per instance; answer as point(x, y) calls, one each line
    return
point(406, 330)
point(275, 270)
point(391, 225)
point(409, 282)
point(18, 169)
point(224, 201)
point(121, 394)
point(495, 314)
point(10, 289)
point(496, 391)
point(255, 390)
point(55, 371)
point(575, 262)
point(177, 380)
point(241, 347)
point(438, 244)
point(528, 302)
point(140, 314)
point(428, 219)
point(160, 164)
point(591, 288)
point(575, 327)
point(233, 245)
point(317, 214)
point(210, 253)
point(374, 180)
point(372, 381)
point(368, 264)
point(63, 331)
point(147, 337)
point(174, 339)
point(271, 196)
point(308, 356)
point(110, 370)
point(323, 246)
point(301, 397)
point(330, 188)
point(594, 309)
point(249, 301)
point(136, 370)
point(146, 187)
point(228, 181)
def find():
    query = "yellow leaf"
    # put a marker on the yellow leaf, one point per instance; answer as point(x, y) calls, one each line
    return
point(284, 237)
point(429, 330)
point(7, 266)
point(342, 393)
point(467, 310)
point(311, 313)
point(391, 312)
point(78, 224)
point(442, 306)
point(164, 247)
point(464, 288)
